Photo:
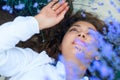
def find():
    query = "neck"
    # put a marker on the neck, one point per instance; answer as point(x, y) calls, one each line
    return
point(74, 72)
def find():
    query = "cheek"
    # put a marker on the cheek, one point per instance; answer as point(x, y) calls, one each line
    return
point(66, 44)
point(91, 40)
point(67, 39)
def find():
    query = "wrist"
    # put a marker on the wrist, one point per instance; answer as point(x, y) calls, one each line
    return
point(40, 21)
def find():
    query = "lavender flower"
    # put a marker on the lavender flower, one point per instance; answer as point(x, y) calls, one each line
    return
point(109, 12)
point(113, 30)
point(118, 9)
point(94, 8)
point(35, 5)
point(105, 71)
point(100, 3)
point(38, 10)
point(11, 11)
point(83, 14)
point(112, 3)
point(107, 55)
point(6, 7)
point(20, 6)
point(94, 78)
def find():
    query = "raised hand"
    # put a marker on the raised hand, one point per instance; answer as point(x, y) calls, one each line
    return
point(52, 14)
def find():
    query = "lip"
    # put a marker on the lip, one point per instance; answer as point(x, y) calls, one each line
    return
point(78, 45)
point(79, 42)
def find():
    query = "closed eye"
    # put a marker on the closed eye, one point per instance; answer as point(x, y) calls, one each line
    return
point(73, 29)
point(90, 31)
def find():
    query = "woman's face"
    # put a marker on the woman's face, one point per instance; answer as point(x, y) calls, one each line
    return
point(76, 40)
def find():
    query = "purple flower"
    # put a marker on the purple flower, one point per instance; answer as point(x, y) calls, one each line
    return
point(106, 71)
point(11, 11)
point(35, 5)
point(95, 66)
point(94, 8)
point(118, 9)
point(6, 7)
point(112, 3)
point(109, 12)
point(38, 10)
point(83, 14)
point(94, 78)
point(100, 3)
point(113, 30)
point(20, 6)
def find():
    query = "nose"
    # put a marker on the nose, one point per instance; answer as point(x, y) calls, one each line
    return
point(82, 35)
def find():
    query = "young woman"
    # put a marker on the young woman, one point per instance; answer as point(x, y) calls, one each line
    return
point(69, 39)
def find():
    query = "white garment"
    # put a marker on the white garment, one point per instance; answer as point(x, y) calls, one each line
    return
point(25, 64)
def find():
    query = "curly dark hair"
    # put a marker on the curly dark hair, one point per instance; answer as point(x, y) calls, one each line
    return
point(53, 36)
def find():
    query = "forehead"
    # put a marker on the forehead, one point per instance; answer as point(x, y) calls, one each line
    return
point(84, 24)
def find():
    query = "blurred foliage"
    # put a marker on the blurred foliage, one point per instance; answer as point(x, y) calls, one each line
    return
point(22, 7)
point(25, 7)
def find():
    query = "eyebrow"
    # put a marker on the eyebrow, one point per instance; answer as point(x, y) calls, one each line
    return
point(77, 25)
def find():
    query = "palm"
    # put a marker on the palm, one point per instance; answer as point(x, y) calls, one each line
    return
point(50, 17)
point(49, 14)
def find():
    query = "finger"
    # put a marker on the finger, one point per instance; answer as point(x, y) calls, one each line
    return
point(62, 14)
point(60, 9)
point(52, 3)
point(57, 5)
